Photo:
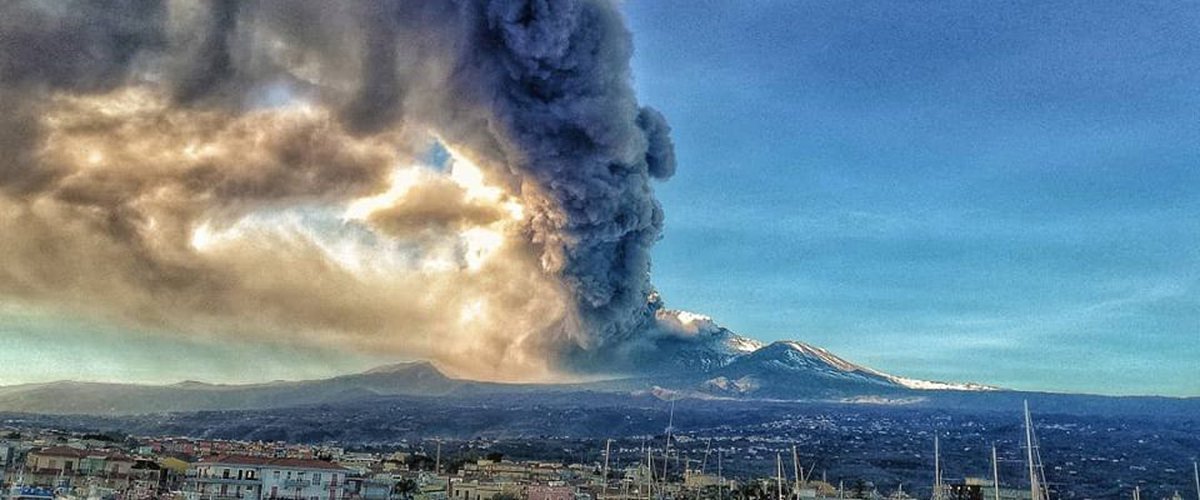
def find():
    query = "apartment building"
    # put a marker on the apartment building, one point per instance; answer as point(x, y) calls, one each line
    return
point(247, 477)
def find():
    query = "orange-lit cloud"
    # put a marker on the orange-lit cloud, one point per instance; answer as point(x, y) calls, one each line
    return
point(260, 170)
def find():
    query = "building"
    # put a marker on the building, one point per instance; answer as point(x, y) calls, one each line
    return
point(105, 464)
point(9, 452)
point(372, 488)
point(545, 492)
point(980, 488)
point(146, 479)
point(299, 478)
point(55, 460)
point(480, 491)
point(226, 477)
point(234, 476)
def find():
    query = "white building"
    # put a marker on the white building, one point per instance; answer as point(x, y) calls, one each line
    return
point(243, 477)
point(301, 479)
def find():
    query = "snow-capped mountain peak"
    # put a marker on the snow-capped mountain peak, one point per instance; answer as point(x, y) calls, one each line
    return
point(834, 361)
point(821, 354)
point(703, 344)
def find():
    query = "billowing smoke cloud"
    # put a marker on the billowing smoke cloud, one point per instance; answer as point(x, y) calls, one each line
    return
point(273, 168)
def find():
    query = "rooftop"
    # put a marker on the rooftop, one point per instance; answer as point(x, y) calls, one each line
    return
point(291, 463)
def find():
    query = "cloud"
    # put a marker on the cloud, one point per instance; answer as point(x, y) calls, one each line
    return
point(178, 165)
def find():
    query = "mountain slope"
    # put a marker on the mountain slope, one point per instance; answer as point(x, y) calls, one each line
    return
point(101, 398)
point(713, 360)
point(800, 365)
point(692, 355)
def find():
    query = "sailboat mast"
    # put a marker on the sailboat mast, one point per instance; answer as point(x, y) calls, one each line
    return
point(604, 479)
point(779, 475)
point(1196, 473)
point(937, 469)
point(796, 471)
point(995, 474)
point(649, 470)
point(437, 464)
point(1034, 487)
point(707, 451)
point(667, 448)
point(720, 477)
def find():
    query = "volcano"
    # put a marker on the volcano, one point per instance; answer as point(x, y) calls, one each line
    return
point(705, 360)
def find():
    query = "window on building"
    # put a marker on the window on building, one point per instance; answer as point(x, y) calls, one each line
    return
point(316, 478)
point(276, 474)
point(225, 473)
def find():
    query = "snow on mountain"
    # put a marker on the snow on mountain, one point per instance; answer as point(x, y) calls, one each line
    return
point(934, 385)
point(841, 364)
point(689, 324)
point(744, 365)
point(695, 342)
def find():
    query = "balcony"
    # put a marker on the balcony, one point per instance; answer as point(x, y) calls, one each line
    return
point(224, 480)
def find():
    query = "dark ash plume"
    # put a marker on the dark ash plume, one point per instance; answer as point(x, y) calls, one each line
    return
point(129, 125)
point(558, 86)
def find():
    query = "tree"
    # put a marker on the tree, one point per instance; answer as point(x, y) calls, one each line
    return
point(859, 488)
point(404, 488)
point(420, 462)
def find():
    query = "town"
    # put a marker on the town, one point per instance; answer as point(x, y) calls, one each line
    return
point(47, 464)
point(44, 463)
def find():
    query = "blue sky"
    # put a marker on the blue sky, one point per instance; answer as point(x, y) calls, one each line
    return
point(1005, 192)
point(998, 192)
